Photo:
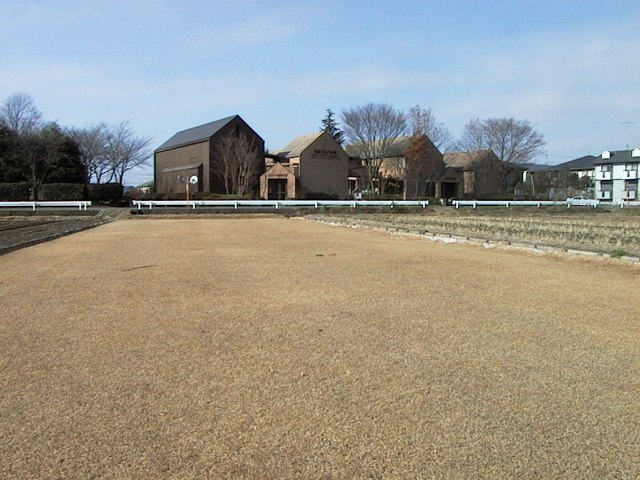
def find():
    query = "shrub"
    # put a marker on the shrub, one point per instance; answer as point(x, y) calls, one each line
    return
point(105, 193)
point(196, 196)
point(133, 194)
point(321, 196)
point(219, 196)
point(62, 191)
point(382, 196)
point(14, 192)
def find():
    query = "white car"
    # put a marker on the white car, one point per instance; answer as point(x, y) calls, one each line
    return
point(582, 200)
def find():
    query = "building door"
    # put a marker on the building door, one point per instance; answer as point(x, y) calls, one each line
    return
point(277, 188)
point(449, 190)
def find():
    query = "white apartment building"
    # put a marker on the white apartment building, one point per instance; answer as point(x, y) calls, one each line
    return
point(616, 175)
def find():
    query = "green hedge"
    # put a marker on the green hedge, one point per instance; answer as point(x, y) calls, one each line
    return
point(61, 191)
point(105, 193)
point(14, 192)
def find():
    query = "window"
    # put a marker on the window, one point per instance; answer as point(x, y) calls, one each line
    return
point(605, 168)
point(631, 167)
point(606, 186)
point(631, 185)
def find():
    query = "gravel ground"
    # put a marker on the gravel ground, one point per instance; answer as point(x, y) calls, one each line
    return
point(280, 348)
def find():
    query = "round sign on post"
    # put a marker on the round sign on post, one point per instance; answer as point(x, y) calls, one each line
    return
point(193, 180)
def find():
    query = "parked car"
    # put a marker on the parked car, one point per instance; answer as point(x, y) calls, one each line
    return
point(582, 200)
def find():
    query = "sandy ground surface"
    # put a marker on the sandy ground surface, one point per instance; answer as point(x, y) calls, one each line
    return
point(280, 348)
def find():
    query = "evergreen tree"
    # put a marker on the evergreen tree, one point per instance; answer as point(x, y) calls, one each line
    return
point(330, 126)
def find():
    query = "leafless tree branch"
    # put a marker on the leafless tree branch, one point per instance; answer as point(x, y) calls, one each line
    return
point(238, 163)
point(372, 129)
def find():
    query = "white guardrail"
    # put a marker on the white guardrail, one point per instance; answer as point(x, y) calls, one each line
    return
point(80, 205)
point(541, 203)
point(276, 204)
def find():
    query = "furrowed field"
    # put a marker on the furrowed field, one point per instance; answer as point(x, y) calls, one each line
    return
point(273, 348)
point(616, 233)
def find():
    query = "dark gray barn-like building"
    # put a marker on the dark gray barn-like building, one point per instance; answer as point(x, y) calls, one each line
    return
point(193, 152)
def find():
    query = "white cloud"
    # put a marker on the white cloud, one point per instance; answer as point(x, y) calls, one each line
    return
point(238, 30)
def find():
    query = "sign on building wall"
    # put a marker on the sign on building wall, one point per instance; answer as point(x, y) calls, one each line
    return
point(326, 154)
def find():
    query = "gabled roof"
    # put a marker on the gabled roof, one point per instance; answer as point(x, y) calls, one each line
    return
point(278, 168)
point(396, 148)
point(298, 145)
point(465, 160)
point(536, 167)
point(582, 163)
point(619, 156)
point(197, 134)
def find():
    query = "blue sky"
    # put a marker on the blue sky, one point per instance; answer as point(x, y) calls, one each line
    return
point(571, 68)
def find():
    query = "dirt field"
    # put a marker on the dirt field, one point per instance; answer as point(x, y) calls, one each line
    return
point(280, 348)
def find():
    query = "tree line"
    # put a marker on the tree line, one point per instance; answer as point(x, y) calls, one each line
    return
point(36, 151)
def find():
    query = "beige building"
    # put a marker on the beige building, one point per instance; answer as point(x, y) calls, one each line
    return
point(310, 166)
point(478, 174)
point(194, 152)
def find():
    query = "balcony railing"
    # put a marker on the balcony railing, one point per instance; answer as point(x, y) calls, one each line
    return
point(603, 195)
point(603, 175)
point(629, 194)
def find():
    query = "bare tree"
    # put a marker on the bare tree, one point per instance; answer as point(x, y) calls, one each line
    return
point(20, 114)
point(238, 163)
point(124, 150)
point(109, 151)
point(371, 129)
point(41, 151)
point(92, 144)
point(515, 142)
point(423, 122)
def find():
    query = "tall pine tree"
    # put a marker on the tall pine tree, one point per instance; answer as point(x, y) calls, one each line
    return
point(330, 126)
